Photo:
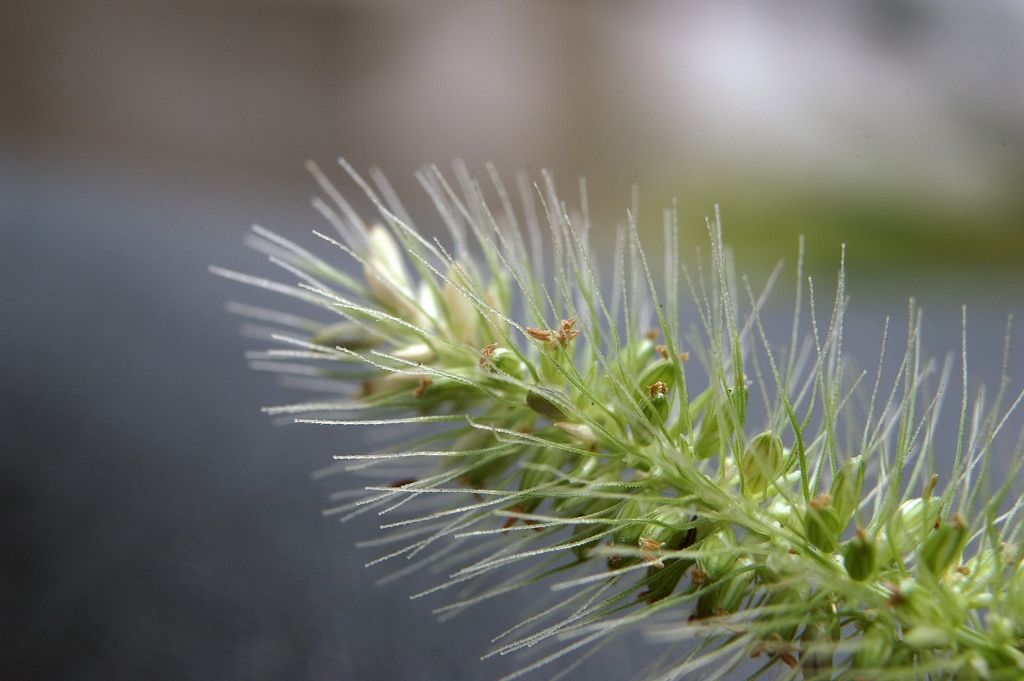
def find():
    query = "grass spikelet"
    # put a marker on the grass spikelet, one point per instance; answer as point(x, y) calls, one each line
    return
point(756, 507)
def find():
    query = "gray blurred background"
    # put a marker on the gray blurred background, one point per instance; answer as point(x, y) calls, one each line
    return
point(153, 524)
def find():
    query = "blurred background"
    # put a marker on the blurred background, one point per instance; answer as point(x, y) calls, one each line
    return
point(153, 523)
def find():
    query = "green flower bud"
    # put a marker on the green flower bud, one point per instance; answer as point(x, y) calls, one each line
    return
point(508, 362)
point(719, 552)
point(944, 546)
point(977, 573)
point(666, 525)
point(662, 581)
point(638, 353)
point(656, 406)
point(661, 371)
point(846, 490)
point(914, 519)
point(761, 464)
point(874, 649)
point(537, 400)
point(925, 636)
point(628, 534)
point(730, 595)
point(709, 437)
point(821, 524)
point(780, 565)
point(860, 557)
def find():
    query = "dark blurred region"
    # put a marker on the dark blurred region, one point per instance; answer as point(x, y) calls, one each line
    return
point(153, 524)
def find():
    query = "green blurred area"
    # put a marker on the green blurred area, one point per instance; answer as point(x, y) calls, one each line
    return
point(886, 237)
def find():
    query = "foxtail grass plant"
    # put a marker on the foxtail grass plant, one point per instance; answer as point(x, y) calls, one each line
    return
point(759, 508)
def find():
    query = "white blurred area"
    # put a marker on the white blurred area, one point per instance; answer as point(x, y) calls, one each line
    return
point(897, 97)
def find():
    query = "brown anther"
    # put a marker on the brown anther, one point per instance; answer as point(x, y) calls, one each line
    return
point(662, 350)
point(567, 324)
point(652, 335)
point(792, 552)
point(403, 482)
point(684, 357)
point(486, 353)
point(539, 334)
point(821, 501)
point(698, 576)
point(964, 570)
point(659, 388)
point(647, 546)
point(789, 659)
point(421, 390)
point(938, 524)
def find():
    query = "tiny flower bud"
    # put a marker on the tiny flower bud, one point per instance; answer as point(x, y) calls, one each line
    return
point(761, 464)
point(540, 403)
point(874, 649)
point(943, 546)
point(780, 565)
point(859, 557)
point(666, 526)
point(709, 438)
point(581, 432)
point(508, 362)
point(821, 524)
point(913, 520)
point(730, 596)
point(719, 553)
point(656, 406)
point(846, 490)
point(628, 533)
point(926, 636)
point(661, 371)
